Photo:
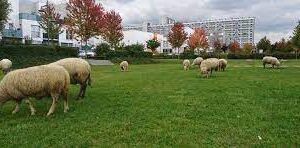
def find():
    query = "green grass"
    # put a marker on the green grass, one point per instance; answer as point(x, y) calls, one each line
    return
point(160, 105)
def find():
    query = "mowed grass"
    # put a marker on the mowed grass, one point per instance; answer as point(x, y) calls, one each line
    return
point(160, 105)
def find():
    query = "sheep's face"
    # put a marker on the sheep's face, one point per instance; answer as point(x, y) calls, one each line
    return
point(204, 70)
point(277, 63)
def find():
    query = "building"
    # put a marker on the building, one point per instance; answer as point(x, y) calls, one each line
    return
point(227, 30)
point(23, 24)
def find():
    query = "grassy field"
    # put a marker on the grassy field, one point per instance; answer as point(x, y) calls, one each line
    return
point(160, 105)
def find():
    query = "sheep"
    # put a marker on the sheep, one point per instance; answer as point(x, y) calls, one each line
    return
point(270, 60)
point(38, 82)
point(124, 66)
point(186, 64)
point(222, 64)
point(197, 61)
point(209, 65)
point(5, 65)
point(79, 71)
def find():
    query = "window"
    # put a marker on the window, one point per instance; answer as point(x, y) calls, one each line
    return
point(35, 31)
point(69, 35)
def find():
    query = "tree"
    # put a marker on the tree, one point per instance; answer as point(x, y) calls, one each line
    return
point(112, 31)
point(198, 40)
point(177, 36)
point(153, 43)
point(295, 40)
point(4, 11)
point(248, 48)
point(50, 21)
point(234, 47)
point(84, 19)
point(264, 44)
point(217, 45)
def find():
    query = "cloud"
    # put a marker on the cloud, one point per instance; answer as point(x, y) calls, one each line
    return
point(274, 18)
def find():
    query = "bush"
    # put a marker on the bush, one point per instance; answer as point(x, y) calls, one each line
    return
point(135, 51)
point(134, 60)
point(279, 55)
point(31, 55)
point(102, 49)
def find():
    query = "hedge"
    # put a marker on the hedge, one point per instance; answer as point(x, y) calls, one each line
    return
point(31, 55)
point(279, 55)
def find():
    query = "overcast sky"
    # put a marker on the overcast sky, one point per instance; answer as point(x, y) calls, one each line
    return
point(274, 18)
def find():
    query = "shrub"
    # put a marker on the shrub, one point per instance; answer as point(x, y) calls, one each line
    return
point(31, 55)
point(102, 49)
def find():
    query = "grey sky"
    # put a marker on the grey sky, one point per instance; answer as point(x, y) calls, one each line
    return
point(274, 18)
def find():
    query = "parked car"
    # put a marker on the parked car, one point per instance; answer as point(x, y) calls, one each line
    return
point(88, 54)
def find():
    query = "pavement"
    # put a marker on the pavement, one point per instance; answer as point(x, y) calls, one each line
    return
point(100, 62)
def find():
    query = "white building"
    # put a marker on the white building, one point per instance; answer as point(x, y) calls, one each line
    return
point(23, 23)
point(239, 29)
point(141, 37)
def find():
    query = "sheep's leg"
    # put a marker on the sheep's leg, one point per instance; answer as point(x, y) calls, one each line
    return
point(53, 106)
point(83, 90)
point(32, 109)
point(80, 92)
point(264, 65)
point(17, 108)
point(65, 98)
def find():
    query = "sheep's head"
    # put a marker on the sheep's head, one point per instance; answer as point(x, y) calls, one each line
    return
point(277, 63)
point(204, 70)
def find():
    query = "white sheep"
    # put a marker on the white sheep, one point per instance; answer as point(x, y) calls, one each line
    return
point(207, 66)
point(270, 60)
point(124, 66)
point(5, 65)
point(186, 64)
point(222, 64)
point(38, 82)
point(197, 61)
point(80, 72)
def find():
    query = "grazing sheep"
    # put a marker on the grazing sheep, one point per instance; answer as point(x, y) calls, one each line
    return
point(38, 82)
point(197, 61)
point(270, 60)
point(124, 66)
point(207, 66)
point(186, 64)
point(5, 65)
point(80, 73)
point(222, 64)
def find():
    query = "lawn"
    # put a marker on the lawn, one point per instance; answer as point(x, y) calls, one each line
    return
point(160, 105)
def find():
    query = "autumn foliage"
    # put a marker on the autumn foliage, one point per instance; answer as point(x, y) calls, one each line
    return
point(248, 47)
point(177, 36)
point(85, 18)
point(50, 21)
point(198, 39)
point(112, 30)
point(234, 47)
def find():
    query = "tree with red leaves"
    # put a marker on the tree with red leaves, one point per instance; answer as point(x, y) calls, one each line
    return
point(198, 40)
point(50, 21)
point(85, 19)
point(177, 36)
point(234, 47)
point(112, 31)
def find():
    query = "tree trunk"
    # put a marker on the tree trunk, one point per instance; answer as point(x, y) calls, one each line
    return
point(178, 53)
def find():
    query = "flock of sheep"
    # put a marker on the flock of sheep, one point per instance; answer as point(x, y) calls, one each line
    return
point(208, 65)
point(54, 79)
